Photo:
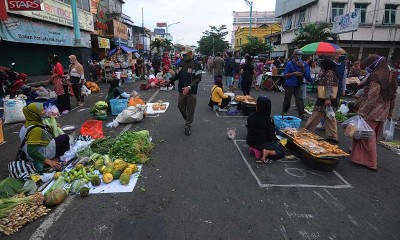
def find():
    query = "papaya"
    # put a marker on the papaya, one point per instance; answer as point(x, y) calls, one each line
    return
point(116, 173)
point(133, 167)
point(107, 177)
point(55, 197)
point(124, 179)
point(128, 171)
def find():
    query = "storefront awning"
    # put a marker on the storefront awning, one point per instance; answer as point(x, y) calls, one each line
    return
point(124, 49)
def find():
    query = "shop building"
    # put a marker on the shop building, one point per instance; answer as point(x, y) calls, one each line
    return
point(378, 29)
point(29, 37)
point(242, 33)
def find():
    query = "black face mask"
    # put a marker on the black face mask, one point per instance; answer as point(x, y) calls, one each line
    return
point(342, 58)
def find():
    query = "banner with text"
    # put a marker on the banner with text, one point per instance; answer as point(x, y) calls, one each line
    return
point(60, 13)
point(26, 31)
point(104, 42)
point(24, 5)
point(346, 23)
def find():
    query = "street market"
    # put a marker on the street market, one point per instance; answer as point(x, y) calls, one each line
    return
point(280, 124)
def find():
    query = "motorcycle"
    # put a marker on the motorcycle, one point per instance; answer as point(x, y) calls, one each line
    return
point(7, 78)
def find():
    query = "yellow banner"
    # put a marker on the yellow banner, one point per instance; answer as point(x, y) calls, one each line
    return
point(104, 42)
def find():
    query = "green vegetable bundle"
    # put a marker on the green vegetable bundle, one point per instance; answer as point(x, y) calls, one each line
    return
point(51, 122)
point(103, 145)
point(133, 147)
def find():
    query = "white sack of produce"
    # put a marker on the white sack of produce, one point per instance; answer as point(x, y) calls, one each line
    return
point(13, 110)
point(131, 115)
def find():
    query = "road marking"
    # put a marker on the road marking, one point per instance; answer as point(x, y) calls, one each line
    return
point(352, 220)
point(263, 185)
point(284, 233)
point(228, 116)
point(153, 96)
point(40, 233)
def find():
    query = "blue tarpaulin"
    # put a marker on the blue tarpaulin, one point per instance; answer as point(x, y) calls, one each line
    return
point(124, 49)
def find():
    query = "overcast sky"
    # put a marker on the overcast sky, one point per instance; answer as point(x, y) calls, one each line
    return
point(195, 16)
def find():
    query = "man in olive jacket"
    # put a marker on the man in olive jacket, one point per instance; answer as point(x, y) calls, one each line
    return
point(189, 76)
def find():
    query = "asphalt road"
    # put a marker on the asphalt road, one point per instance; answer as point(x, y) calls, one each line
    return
point(205, 186)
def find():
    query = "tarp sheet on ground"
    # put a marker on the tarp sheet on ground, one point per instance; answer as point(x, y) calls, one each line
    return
point(113, 187)
point(149, 108)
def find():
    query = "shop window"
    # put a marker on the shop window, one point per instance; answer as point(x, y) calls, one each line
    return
point(362, 12)
point(337, 10)
point(81, 4)
point(390, 15)
point(288, 25)
point(302, 18)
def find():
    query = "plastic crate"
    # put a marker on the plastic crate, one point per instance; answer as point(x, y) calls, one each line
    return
point(286, 121)
point(118, 105)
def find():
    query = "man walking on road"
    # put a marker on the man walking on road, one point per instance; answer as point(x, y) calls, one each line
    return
point(189, 76)
point(218, 65)
point(294, 74)
point(229, 71)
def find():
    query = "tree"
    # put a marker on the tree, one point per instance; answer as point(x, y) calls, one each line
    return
point(213, 41)
point(315, 33)
point(161, 45)
point(254, 46)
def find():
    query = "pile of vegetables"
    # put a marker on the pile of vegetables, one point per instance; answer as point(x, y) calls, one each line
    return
point(99, 110)
point(309, 107)
point(17, 211)
point(340, 117)
point(51, 122)
point(130, 146)
point(113, 170)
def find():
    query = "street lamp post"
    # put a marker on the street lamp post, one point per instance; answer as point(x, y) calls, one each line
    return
point(169, 25)
point(250, 4)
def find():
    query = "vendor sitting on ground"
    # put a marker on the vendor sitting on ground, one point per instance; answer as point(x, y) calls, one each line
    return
point(115, 91)
point(20, 87)
point(218, 97)
point(41, 148)
point(261, 132)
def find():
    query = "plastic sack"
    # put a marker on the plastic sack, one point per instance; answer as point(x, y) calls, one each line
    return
point(356, 127)
point(13, 110)
point(52, 111)
point(93, 128)
point(231, 133)
point(388, 130)
point(343, 109)
point(85, 91)
point(131, 115)
point(329, 112)
point(113, 124)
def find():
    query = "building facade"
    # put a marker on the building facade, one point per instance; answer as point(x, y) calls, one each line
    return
point(242, 19)
point(378, 31)
point(242, 33)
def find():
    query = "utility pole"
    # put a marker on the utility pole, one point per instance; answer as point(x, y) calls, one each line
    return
point(251, 14)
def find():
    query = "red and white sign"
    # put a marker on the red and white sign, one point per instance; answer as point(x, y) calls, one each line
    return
point(161, 24)
point(24, 5)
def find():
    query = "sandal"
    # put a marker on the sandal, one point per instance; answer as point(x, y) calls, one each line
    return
point(266, 161)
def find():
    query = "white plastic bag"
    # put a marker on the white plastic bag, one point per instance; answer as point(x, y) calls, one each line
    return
point(231, 133)
point(388, 130)
point(329, 112)
point(131, 115)
point(13, 110)
point(356, 127)
point(343, 109)
point(52, 111)
point(85, 91)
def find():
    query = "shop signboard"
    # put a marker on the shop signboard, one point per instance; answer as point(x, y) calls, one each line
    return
point(25, 30)
point(60, 13)
point(117, 29)
point(346, 23)
point(104, 42)
point(120, 41)
point(24, 5)
point(159, 31)
point(161, 24)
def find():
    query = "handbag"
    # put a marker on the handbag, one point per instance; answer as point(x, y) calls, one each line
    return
point(322, 91)
point(75, 80)
point(21, 168)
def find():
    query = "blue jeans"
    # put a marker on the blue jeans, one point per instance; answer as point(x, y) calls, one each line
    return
point(228, 81)
point(280, 151)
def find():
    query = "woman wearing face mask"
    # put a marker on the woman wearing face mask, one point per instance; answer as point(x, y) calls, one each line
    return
point(41, 148)
point(76, 75)
point(60, 86)
point(375, 106)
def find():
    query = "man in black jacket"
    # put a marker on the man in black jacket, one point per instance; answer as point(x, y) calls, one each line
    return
point(189, 76)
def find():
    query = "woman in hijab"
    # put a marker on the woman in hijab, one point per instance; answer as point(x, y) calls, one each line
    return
point(217, 95)
point(329, 80)
point(20, 87)
point(41, 148)
point(76, 74)
point(60, 86)
point(115, 91)
point(375, 106)
point(261, 132)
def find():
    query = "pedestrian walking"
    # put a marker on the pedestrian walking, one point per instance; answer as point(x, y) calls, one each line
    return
point(329, 80)
point(210, 64)
point(294, 74)
point(375, 106)
point(259, 73)
point(248, 72)
point(236, 68)
point(61, 85)
point(189, 76)
point(229, 71)
point(340, 58)
point(76, 77)
point(218, 65)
